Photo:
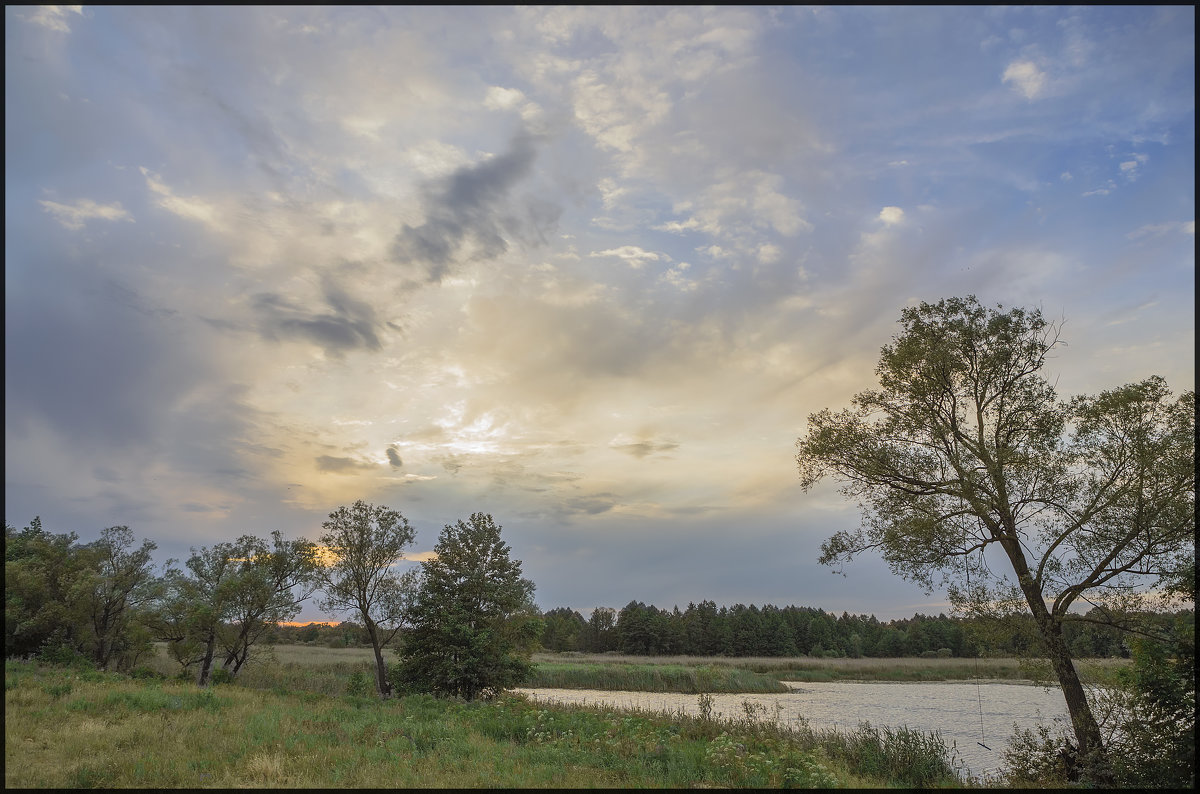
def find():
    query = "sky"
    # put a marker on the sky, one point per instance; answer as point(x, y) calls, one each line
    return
point(588, 270)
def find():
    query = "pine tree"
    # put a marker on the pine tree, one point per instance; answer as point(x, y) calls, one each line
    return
point(472, 621)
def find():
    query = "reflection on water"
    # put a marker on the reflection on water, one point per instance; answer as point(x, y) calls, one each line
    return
point(968, 715)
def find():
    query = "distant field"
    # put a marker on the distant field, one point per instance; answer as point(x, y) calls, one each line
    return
point(291, 664)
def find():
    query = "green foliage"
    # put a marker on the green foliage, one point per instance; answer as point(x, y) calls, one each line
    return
point(365, 542)
point(969, 470)
point(1155, 746)
point(472, 620)
point(65, 597)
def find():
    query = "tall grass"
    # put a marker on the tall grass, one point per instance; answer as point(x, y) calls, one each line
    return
point(688, 679)
point(68, 730)
point(803, 668)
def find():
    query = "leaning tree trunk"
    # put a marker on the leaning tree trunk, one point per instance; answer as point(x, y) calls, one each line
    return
point(1090, 753)
point(382, 686)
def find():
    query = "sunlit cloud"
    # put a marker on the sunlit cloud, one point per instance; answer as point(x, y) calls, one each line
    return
point(74, 216)
point(1026, 78)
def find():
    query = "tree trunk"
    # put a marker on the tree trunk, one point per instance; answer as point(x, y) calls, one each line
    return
point(1089, 748)
point(382, 686)
point(210, 648)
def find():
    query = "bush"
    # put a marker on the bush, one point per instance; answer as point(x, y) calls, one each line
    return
point(65, 656)
point(145, 674)
point(221, 676)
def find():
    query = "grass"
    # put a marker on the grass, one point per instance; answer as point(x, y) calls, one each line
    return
point(804, 668)
point(685, 678)
point(67, 729)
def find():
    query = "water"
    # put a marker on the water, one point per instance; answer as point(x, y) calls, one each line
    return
point(951, 707)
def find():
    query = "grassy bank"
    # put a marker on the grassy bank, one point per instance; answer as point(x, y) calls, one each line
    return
point(688, 679)
point(75, 729)
point(804, 668)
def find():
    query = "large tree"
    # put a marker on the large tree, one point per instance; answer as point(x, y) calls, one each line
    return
point(123, 582)
point(365, 544)
point(472, 621)
point(972, 473)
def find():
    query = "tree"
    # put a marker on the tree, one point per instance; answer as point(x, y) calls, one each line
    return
point(195, 604)
point(561, 629)
point(968, 468)
point(265, 594)
point(85, 598)
point(472, 620)
point(44, 579)
point(365, 543)
point(123, 582)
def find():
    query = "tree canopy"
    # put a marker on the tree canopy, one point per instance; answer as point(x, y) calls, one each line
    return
point(364, 544)
point(472, 622)
point(972, 473)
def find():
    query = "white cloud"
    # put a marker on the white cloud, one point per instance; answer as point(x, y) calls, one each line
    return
point(499, 98)
point(1130, 169)
point(1028, 79)
point(74, 216)
point(1159, 229)
point(635, 256)
point(891, 216)
point(54, 17)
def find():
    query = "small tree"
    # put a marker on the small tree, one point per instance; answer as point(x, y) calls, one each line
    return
point(266, 593)
point(965, 459)
point(365, 544)
point(473, 624)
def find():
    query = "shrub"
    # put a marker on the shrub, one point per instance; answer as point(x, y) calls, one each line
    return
point(221, 676)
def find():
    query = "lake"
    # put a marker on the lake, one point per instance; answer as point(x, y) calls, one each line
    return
point(952, 707)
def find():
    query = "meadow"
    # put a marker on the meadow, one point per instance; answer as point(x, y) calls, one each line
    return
point(78, 728)
point(304, 716)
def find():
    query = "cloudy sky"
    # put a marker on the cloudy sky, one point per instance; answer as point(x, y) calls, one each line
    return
point(587, 270)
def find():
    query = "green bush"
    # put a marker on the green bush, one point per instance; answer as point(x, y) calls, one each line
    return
point(221, 676)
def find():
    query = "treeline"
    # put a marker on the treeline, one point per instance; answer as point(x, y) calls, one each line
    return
point(705, 630)
point(104, 603)
point(463, 625)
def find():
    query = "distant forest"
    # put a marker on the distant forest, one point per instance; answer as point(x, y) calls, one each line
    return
point(705, 629)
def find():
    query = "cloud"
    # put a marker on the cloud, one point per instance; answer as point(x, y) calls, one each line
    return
point(474, 205)
point(632, 254)
point(1153, 230)
point(350, 324)
point(336, 465)
point(74, 216)
point(54, 17)
point(640, 448)
point(394, 458)
point(891, 216)
point(1130, 169)
point(1026, 78)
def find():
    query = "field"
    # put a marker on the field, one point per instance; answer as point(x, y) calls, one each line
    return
point(330, 671)
point(303, 716)
point(84, 729)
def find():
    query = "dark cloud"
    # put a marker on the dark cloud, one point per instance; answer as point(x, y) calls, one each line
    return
point(342, 465)
point(641, 449)
point(350, 324)
point(474, 204)
point(394, 458)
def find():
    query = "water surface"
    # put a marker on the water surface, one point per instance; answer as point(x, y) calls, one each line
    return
point(969, 715)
